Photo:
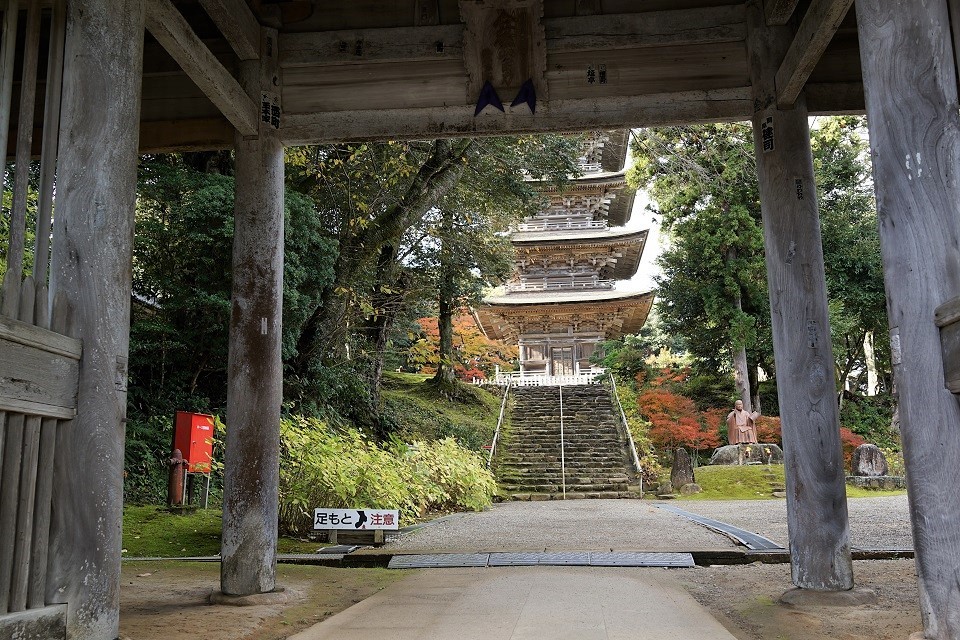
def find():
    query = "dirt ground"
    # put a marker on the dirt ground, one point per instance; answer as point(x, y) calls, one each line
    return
point(169, 600)
point(744, 599)
point(164, 600)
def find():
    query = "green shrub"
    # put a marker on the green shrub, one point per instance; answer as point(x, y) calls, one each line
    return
point(321, 467)
point(640, 432)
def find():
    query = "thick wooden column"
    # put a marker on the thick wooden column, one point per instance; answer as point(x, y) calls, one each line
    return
point(91, 272)
point(816, 493)
point(255, 377)
point(910, 81)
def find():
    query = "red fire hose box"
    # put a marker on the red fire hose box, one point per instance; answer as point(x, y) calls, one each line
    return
point(193, 435)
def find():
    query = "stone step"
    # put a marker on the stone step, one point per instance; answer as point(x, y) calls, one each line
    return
point(575, 495)
point(557, 480)
point(553, 488)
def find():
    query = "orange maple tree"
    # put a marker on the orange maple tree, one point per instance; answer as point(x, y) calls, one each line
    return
point(675, 421)
point(476, 356)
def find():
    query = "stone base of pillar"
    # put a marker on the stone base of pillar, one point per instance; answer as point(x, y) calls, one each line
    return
point(277, 596)
point(812, 598)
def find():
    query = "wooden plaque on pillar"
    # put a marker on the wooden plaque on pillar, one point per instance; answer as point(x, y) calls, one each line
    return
point(504, 44)
point(948, 319)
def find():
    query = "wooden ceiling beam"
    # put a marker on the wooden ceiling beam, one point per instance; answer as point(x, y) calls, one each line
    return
point(650, 29)
point(687, 107)
point(237, 24)
point(172, 31)
point(401, 44)
point(778, 12)
point(601, 32)
point(817, 29)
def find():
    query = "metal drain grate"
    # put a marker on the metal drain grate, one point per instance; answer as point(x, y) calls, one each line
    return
point(438, 560)
point(634, 559)
point(568, 558)
point(748, 539)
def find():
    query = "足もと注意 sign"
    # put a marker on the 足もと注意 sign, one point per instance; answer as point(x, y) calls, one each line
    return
point(356, 519)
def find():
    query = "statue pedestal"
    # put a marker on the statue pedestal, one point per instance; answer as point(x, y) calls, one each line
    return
point(740, 454)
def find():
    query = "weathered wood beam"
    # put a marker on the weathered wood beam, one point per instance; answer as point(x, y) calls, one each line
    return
point(90, 273)
point(237, 24)
point(778, 12)
point(948, 319)
point(820, 557)
point(403, 44)
point(722, 105)
point(819, 25)
point(254, 368)
point(909, 74)
point(584, 33)
point(650, 29)
point(834, 98)
point(172, 31)
point(199, 134)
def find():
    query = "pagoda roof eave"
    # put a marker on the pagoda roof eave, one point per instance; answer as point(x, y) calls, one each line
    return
point(498, 319)
point(577, 238)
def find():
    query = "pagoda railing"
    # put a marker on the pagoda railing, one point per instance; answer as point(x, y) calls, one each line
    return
point(541, 285)
point(561, 225)
point(527, 379)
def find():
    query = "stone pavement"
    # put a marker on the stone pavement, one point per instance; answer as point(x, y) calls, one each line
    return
point(526, 603)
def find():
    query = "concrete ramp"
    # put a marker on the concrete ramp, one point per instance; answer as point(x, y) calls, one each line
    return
point(526, 603)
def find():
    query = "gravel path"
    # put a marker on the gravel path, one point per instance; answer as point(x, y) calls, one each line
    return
point(875, 523)
point(621, 525)
point(564, 525)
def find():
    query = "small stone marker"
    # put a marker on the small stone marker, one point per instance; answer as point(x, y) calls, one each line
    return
point(869, 461)
point(682, 472)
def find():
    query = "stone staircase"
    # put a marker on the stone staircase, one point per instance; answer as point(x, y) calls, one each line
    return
point(528, 465)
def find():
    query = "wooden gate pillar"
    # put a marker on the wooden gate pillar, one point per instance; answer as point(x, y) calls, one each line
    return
point(816, 492)
point(909, 77)
point(91, 272)
point(255, 376)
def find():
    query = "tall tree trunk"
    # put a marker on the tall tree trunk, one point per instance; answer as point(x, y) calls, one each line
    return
point(754, 387)
point(387, 302)
point(445, 369)
point(871, 361)
point(445, 293)
point(741, 375)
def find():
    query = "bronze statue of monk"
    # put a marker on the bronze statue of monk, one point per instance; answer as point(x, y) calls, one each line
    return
point(741, 425)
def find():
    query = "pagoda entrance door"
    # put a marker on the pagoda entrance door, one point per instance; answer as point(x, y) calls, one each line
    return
point(561, 361)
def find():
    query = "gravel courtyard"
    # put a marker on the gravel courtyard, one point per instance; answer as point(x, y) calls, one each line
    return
point(620, 525)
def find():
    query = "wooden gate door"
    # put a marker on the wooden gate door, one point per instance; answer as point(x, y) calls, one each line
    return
point(562, 361)
point(39, 362)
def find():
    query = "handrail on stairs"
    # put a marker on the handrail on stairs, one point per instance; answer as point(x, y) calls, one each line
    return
point(563, 458)
point(496, 433)
point(626, 427)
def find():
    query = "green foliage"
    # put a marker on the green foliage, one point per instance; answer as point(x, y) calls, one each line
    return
point(710, 390)
point(870, 417)
point(626, 357)
point(640, 432)
point(712, 291)
point(416, 409)
point(31, 219)
point(412, 218)
point(182, 284)
point(326, 468)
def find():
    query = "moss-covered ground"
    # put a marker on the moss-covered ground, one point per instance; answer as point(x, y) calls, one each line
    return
point(753, 482)
point(423, 410)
